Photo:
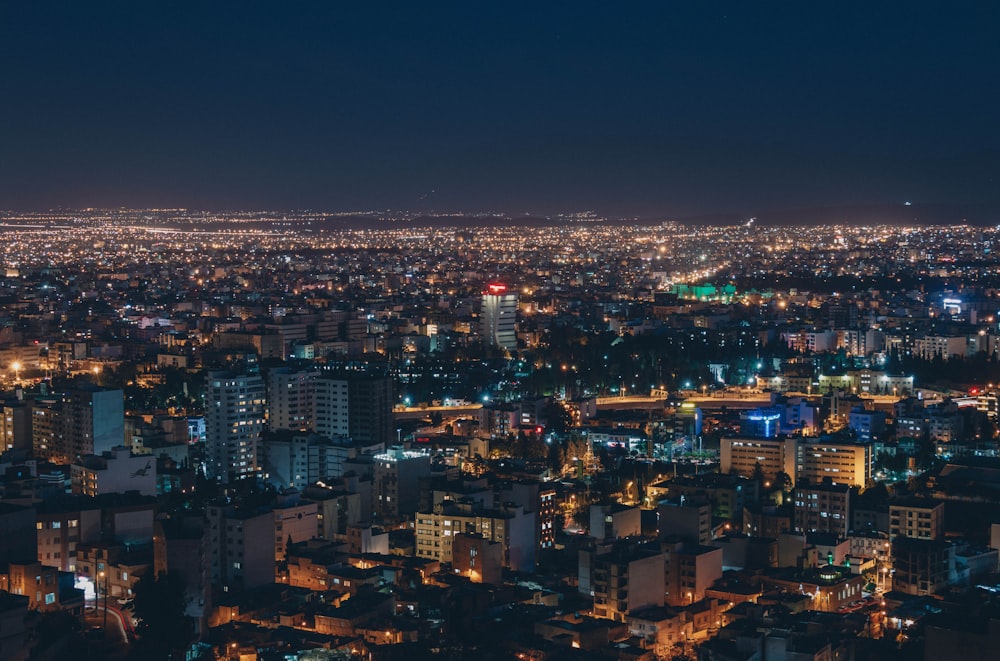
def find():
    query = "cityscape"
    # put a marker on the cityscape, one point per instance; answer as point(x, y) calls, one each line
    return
point(381, 331)
point(377, 434)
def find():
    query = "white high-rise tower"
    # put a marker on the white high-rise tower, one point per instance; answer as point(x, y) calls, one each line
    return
point(499, 317)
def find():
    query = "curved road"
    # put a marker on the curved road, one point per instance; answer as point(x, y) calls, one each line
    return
point(119, 624)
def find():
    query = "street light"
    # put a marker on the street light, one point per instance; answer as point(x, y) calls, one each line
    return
point(16, 366)
point(104, 575)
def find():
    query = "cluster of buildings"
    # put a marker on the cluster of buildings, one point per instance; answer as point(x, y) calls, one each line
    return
point(575, 440)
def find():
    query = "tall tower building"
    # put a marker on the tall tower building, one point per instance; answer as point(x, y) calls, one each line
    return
point(355, 405)
point(330, 407)
point(93, 420)
point(290, 399)
point(234, 422)
point(85, 420)
point(370, 409)
point(499, 317)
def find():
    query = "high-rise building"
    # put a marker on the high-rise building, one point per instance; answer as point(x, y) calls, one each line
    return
point(397, 475)
point(46, 439)
point(298, 460)
point(916, 518)
point(499, 317)
point(841, 462)
point(743, 454)
point(15, 426)
point(625, 578)
point(369, 409)
point(508, 524)
point(85, 420)
point(355, 405)
point(824, 507)
point(330, 407)
point(290, 399)
point(93, 420)
point(234, 422)
point(239, 546)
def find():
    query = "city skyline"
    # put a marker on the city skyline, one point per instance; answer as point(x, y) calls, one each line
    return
point(644, 331)
point(305, 437)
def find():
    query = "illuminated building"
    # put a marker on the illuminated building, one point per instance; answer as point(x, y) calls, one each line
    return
point(727, 493)
point(614, 521)
point(15, 426)
point(396, 479)
point(115, 471)
point(61, 528)
point(741, 454)
point(290, 399)
point(499, 317)
point(478, 558)
point(510, 525)
point(44, 430)
point(355, 405)
point(761, 423)
point(624, 579)
point(234, 423)
point(86, 420)
point(687, 421)
point(916, 518)
point(829, 587)
point(546, 518)
point(37, 582)
point(950, 346)
point(871, 381)
point(691, 569)
point(841, 462)
point(534, 496)
point(660, 627)
point(868, 425)
point(823, 508)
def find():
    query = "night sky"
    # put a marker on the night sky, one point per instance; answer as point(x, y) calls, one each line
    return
point(666, 108)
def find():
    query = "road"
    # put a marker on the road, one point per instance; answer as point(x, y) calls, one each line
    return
point(119, 629)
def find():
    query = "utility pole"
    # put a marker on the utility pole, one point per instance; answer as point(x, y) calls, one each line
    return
point(105, 576)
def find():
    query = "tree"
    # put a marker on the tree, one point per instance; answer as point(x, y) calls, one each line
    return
point(575, 453)
point(163, 627)
point(557, 418)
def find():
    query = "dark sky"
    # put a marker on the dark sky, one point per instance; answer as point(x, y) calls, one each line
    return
point(664, 108)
